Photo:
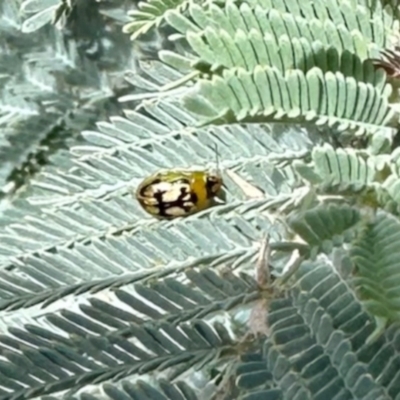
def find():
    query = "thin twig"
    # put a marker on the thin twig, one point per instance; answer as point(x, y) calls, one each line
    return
point(263, 273)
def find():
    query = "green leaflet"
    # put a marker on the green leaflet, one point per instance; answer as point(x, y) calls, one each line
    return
point(376, 260)
point(326, 226)
point(343, 167)
point(326, 98)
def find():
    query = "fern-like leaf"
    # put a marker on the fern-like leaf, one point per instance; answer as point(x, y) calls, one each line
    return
point(269, 95)
point(328, 22)
point(151, 14)
point(377, 267)
point(342, 169)
point(326, 226)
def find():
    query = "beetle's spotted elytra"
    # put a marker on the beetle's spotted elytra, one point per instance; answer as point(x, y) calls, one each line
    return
point(171, 194)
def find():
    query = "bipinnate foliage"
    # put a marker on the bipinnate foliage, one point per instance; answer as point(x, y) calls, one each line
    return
point(287, 289)
point(54, 82)
point(376, 260)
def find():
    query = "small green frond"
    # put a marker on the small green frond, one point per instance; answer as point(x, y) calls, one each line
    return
point(158, 296)
point(267, 94)
point(376, 257)
point(161, 389)
point(390, 188)
point(216, 49)
point(150, 14)
point(351, 14)
point(316, 346)
point(36, 279)
point(89, 358)
point(328, 23)
point(342, 168)
point(315, 329)
point(326, 226)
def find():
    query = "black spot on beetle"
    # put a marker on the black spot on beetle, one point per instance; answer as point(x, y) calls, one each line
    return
point(194, 198)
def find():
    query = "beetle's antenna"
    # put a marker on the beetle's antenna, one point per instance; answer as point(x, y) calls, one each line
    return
point(217, 159)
